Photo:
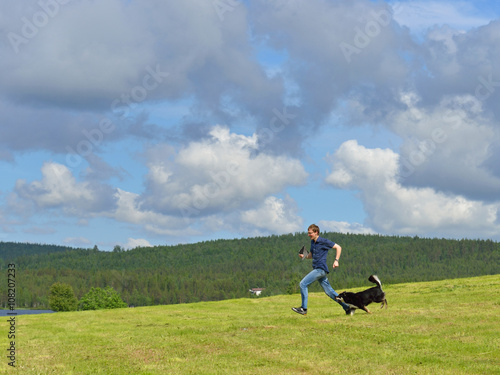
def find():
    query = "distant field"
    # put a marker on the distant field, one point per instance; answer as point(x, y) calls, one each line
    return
point(441, 327)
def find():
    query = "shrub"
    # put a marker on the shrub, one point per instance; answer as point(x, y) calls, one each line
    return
point(62, 297)
point(98, 298)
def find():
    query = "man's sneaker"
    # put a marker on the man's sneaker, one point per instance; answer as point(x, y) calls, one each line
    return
point(349, 311)
point(300, 310)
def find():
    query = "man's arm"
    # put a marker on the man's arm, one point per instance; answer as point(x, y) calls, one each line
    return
point(309, 256)
point(337, 257)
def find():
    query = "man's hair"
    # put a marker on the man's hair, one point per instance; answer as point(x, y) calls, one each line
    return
point(314, 228)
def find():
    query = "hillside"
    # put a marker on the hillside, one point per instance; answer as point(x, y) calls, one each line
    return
point(430, 328)
point(225, 269)
point(13, 250)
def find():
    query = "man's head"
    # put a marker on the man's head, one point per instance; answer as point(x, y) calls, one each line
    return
point(313, 231)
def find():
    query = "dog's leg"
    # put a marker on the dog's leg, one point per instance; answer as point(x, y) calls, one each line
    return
point(366, 309)
point(384, 302)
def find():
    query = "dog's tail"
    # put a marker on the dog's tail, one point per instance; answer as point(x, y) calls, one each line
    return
point(374, 279)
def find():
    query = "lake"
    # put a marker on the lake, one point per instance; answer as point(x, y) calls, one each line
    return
point(24, 312)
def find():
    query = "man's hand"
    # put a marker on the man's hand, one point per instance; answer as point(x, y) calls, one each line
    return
point(335, 263)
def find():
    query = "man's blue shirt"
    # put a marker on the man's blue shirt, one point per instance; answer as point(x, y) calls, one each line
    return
point(319, 250)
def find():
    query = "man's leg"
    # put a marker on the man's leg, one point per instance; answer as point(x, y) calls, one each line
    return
point(325, 284)
point(306, 281)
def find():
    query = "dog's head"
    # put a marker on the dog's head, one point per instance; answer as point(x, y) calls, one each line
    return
point(340, 297)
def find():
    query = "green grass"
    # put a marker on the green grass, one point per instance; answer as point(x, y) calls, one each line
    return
point(442, 327)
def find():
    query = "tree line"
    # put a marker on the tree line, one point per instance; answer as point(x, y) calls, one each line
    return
point(225, 269)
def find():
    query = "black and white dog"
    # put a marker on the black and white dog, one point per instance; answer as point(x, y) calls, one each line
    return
point(362, 299)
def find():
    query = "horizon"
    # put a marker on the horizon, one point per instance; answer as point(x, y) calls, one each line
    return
point(245, 238)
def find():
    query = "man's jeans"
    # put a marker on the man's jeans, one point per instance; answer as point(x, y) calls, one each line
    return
point(320, 275)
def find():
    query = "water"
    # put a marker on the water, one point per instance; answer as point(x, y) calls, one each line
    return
point(24, 312)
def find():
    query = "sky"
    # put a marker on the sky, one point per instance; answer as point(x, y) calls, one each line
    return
point(141, 123)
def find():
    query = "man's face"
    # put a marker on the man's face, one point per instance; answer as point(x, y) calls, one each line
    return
point(312, 235)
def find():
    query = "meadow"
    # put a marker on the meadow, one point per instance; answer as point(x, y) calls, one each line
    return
point(439, 327)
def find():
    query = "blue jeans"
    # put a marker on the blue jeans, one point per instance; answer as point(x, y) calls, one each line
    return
point(320, 275)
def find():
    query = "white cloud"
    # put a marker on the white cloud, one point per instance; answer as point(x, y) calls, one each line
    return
point(58, 189)
point(393, 208)
point(316, 36)
point(344, 227)
point(77, 241)
point(219, 183)
point(128, 210)
point(218, 179)
point(90, 54)
point(446, 146)
point(224, 172)
point(275, 216)
point(132, 243)
point(380, 167)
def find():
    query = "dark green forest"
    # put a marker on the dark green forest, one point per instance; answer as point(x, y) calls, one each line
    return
point(224, 269)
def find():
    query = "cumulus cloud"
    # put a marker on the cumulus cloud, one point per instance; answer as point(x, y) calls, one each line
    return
point(220, 183)
point(336, 50)
point(77, 241)
point(77, 66)
point(133, 52)
point(128, 210)
point(223, 172)
point(132, 243)
point(221, 178)
point(344, 227)
point(461, 63)
point(58, 189)
point(274, 215)
point(394, 208)
point(448, 147)
point(87, 62)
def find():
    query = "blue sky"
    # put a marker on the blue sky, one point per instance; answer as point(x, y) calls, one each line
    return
point(162, 122)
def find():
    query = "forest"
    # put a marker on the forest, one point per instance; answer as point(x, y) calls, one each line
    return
point(225, 269)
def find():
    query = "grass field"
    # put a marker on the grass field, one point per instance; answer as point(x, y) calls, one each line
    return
point(443, 327)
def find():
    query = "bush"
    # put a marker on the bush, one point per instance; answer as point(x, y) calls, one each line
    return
point(98, 298)
point(62, 297)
